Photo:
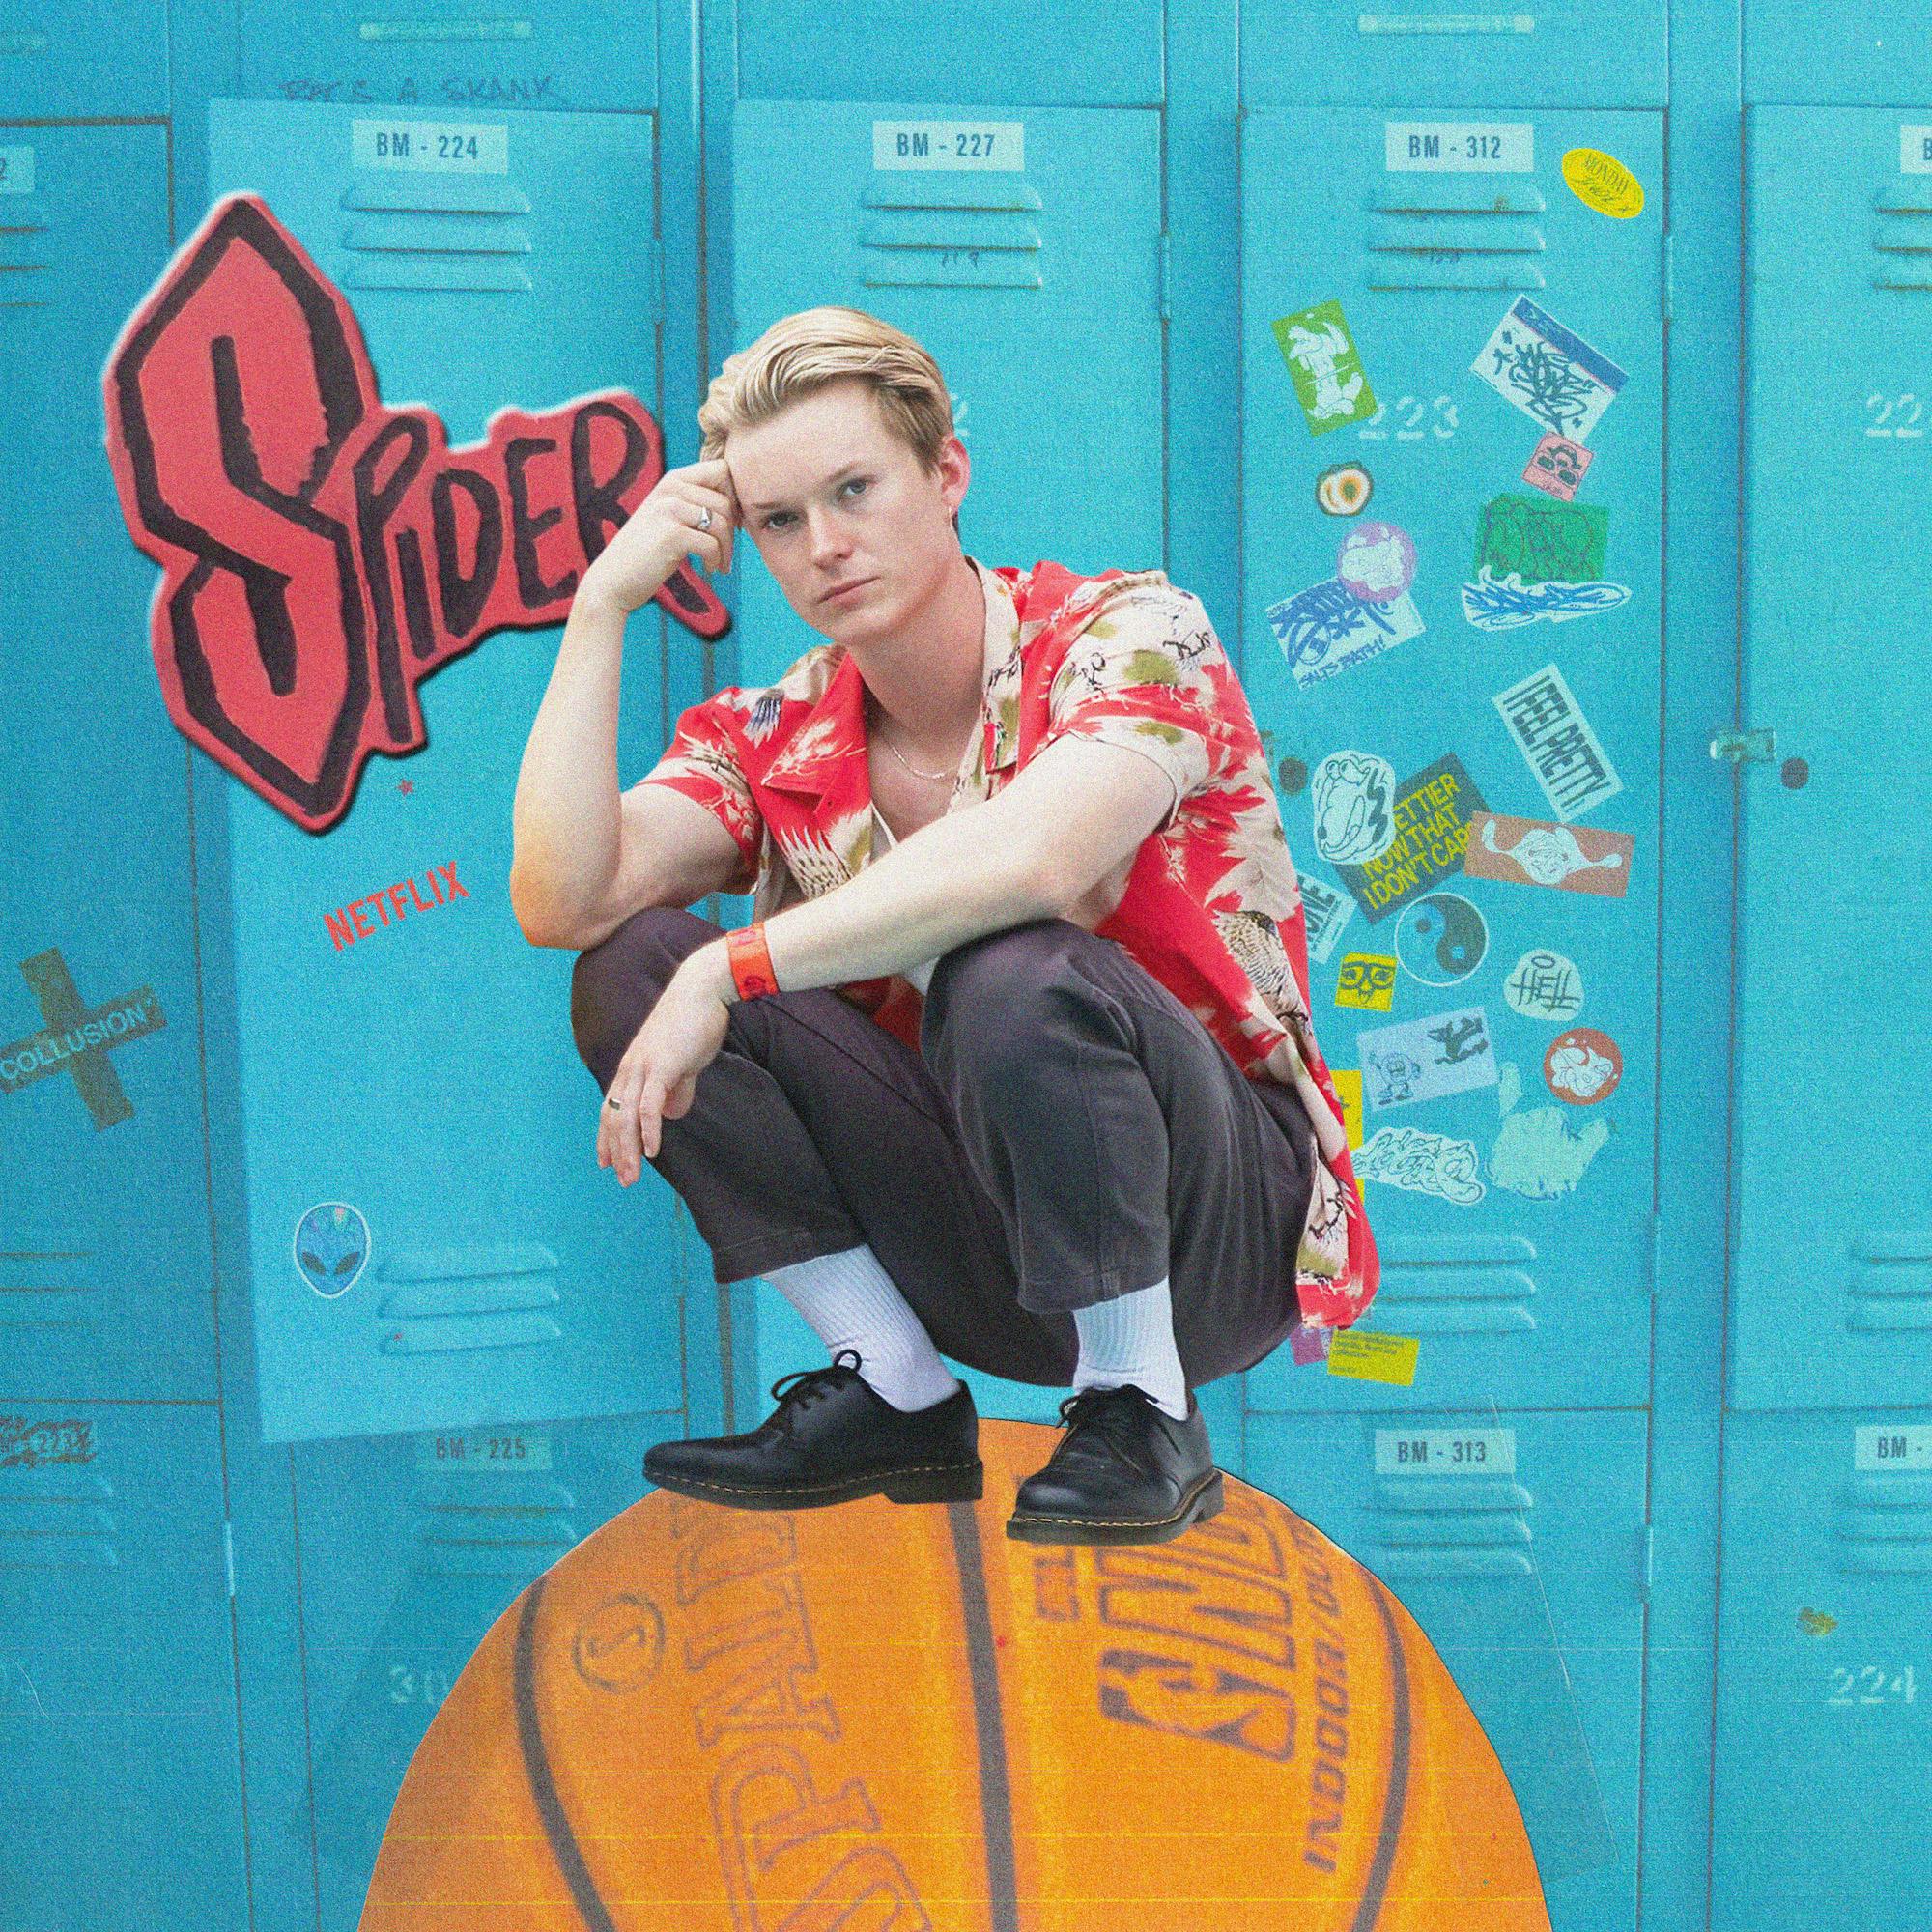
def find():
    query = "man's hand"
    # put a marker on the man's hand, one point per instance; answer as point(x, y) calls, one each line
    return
point(657, 1078)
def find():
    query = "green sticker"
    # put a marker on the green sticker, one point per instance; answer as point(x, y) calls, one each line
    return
point(1321, 356)
point(1541, 540)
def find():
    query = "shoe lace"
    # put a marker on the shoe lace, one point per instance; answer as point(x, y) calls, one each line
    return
point(804, 1386)
point(1108, 1413)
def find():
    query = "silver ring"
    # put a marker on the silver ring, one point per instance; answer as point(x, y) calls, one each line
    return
point(611, 1102)
point(705, 518)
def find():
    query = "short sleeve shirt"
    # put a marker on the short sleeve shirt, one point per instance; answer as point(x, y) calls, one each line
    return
point(1212, 905)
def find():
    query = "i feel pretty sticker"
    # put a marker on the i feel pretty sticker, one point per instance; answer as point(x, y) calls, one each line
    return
point(1552, 733)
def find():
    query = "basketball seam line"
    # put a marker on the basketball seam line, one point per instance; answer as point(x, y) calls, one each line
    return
point(812, 1489)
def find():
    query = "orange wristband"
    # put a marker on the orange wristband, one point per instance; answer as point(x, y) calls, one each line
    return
point(750, 961)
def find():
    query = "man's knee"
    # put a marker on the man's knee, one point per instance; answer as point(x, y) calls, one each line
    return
point(1002, 997)
point(616, 982)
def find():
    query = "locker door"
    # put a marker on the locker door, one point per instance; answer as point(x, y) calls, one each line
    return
point(1515, 1538)
point(104, 1217)
point(557, 54)
point(58, 62)
point(1833, 1272)
point(117, 1680)
point(1023, 248)
point(425, 1078)
point(1429, 307)
point(1824, 1673)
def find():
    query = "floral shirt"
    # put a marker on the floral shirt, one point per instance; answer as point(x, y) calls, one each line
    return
point(1212, 905)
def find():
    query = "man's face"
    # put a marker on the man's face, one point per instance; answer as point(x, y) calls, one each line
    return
point(831, 496)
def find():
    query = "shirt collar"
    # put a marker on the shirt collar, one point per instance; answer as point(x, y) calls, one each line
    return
point(825, 753)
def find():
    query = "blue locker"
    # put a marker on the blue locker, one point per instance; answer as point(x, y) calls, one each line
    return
point(1566, 55)
point(426, 1080)
point(992, 53)
point(1834, 1269)
point(1824, 1742)
point(1024, 249)
point(454, 58)
point(105, 1218)
point(1512, 1207)
point(1876, 50)
point(117, 1682)
point(54, 60)
point(1515, 1538)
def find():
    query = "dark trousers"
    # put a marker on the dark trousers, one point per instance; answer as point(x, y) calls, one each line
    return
point(1068, 1132)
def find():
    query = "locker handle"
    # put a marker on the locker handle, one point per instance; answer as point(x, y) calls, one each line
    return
point(1740, 747)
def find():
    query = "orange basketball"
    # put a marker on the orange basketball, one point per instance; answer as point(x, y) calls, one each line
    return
point(877, 1717)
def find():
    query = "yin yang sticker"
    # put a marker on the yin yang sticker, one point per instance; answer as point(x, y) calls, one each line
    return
point(1441, 938)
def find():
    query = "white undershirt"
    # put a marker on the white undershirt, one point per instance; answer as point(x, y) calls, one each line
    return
point(883, 841)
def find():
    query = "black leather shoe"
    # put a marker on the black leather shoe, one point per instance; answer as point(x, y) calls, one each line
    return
point(1126, 1471)
point(832, 1438)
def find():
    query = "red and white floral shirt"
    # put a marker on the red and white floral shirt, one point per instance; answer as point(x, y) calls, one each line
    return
point(1212, 906)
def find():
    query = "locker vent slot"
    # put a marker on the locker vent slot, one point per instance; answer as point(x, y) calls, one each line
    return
point(23, 261)
point(444, 30)
point(1445, 23)
point(1458, 1284)
point(1890, 1284)
point(1884, 1525)
point(494, 1522)
point(1902, 234)
point(953, 232)
point(55, 1517)
point(448, 232)
point(1436, 1527)
point(48, 1285)
point(1449, 231)
point(489, 1295)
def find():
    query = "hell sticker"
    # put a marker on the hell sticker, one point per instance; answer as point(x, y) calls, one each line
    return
point(1544, 985)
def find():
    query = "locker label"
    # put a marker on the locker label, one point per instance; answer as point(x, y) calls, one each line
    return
point(1459, 147)
point(1895, 1445)
point(1915, 149)
point(489, 1450)
point(999, 145)
point(17, 171)
point(431, 147)
point(1445, 1452)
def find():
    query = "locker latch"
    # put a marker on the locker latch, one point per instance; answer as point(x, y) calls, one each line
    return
point(1739, 746)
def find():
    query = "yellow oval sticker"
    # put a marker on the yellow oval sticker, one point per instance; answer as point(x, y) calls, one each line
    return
point(1601, 182)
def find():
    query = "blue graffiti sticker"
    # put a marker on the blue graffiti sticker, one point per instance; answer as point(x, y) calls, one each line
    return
point(331, 1246)
point(1328, 627)
point(1421, 1060)
point(1503, 603)
point(1547, 371)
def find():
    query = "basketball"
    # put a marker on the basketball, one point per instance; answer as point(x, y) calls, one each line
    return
point(878, 1718)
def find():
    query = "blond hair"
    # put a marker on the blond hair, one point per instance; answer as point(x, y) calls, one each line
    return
point(802, 353)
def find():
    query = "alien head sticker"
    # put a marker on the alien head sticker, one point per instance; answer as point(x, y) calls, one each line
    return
point(331, 1246)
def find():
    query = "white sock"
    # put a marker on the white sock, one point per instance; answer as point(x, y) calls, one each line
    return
point(1130, 1338)
point(852, 1302)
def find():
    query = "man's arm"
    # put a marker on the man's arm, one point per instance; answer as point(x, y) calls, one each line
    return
point(586, 858)
point(1064, 821)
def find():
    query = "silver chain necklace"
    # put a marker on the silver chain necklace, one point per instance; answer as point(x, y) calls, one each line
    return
point(932, 778)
